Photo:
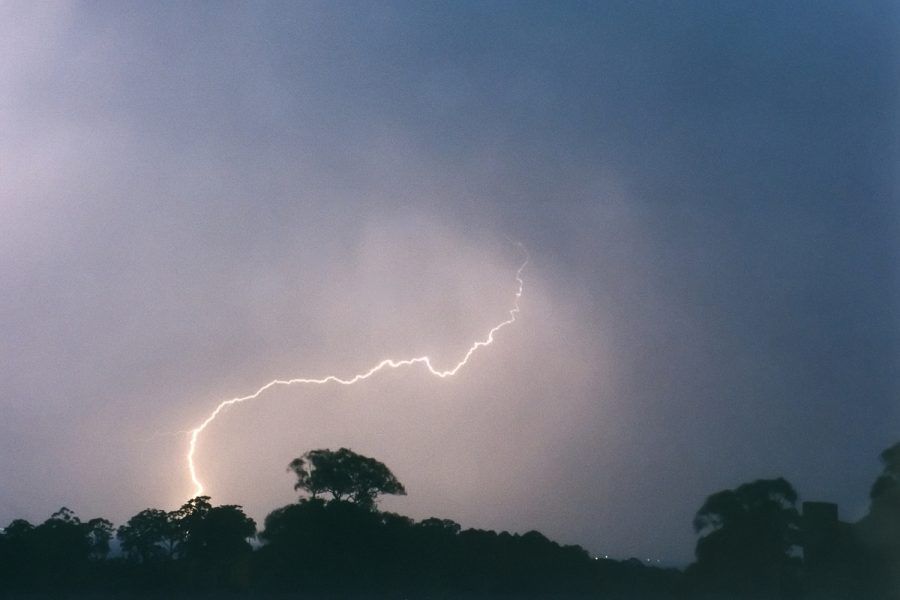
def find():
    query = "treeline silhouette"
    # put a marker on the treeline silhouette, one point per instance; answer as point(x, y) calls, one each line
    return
point(754, 541)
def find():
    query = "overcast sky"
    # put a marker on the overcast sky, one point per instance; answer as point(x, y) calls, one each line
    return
point(196, 198)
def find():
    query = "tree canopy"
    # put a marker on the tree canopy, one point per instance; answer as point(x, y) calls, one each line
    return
point(749, 536)
point(879, 530)
point(196, 529)
point(888, 483)
point(752, 544)
point(345, 475)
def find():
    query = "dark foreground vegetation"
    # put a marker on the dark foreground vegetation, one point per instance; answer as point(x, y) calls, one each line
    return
point(754, 542)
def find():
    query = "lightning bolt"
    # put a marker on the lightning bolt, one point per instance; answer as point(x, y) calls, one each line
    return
point(387, 363)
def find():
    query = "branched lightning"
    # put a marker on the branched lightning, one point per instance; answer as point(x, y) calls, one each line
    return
point(387, 363)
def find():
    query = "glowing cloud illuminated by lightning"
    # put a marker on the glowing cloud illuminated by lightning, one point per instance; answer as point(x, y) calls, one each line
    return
point(387, 363)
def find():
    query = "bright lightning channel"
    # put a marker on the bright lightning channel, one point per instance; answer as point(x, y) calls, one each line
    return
point(387, 363)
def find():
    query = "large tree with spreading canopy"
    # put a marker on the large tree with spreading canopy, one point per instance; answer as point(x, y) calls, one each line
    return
point(345, 475)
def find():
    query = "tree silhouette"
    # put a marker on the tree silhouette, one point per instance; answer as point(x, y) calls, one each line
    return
point(16, 554)
point(340, 546)
point(880, 528)
point(221, 533)
point(888, 483)
point(61, 548)
point(144, 535)
point(345, 475)
point(59, 553)
point(749, 538)
point(878, 533)
point(186, 519)
point(100, 531)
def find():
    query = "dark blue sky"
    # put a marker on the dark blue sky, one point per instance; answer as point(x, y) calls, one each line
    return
point(199, 198)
